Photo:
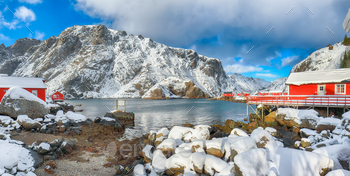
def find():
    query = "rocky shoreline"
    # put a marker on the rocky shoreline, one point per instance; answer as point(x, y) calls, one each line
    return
point(303, 140)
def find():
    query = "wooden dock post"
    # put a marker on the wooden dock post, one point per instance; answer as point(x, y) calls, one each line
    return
point(248, 120)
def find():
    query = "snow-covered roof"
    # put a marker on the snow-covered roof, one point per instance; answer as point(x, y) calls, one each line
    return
point(23, 82)
point(324, 76)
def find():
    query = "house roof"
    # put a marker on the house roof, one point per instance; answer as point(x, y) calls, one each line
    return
point(324, 76)
point(24, 82)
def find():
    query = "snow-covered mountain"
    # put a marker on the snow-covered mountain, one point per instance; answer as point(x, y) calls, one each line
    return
point(322, 59)
point(97, 62)
point(276, 85)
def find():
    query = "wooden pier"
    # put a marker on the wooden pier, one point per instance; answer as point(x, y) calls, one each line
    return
point(311, 101)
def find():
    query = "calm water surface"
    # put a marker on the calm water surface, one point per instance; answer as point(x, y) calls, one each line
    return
point(154, 114)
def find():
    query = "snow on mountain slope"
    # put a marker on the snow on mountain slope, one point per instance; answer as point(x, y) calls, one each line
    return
point(96, 62)
point(247, 84)
point(276, 85)
point(322, 59)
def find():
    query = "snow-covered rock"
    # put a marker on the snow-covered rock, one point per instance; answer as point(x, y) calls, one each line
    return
point(339, 172)
point(300, 118)
point(159, 161)
point(178, 163)
point(139, 170)
point(271, 130)
point(327, 124)
point(213, 164)
point(340, 154)
point(238, 132)
point(167, 146)
point(147, 153)
point(197, 161)
point(263, 139)
point(18, 101)
point(74, 117)
point(215, 147)
point(343, 128)
point(252, 162)
point(239, 145)
point(28, 123)
point(14, 158)
point(298, 162)
point(178, 132)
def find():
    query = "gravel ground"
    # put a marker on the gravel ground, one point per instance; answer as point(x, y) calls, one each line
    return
point(93, 167)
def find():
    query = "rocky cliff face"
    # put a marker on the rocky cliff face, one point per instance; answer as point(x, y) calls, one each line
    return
point(97, 62)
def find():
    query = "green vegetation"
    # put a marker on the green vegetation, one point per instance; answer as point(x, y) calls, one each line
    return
point(346, 40)
point(346, 60)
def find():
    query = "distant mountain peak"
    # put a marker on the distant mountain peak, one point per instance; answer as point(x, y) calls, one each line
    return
point(94, 61)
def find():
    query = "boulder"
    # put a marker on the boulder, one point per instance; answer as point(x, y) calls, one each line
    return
point(215, 147)
point(177, 163)
point(298, 118)
point(139, 170)
point(252, 162)
point(197, 161)
point(18, 101)
point(38, 159)
point(240, 145)
point(263, 139)
point(272, 131)
point(147, 153)
point(327, 124)
point(281, 119)
point(305, 142)
point(44, 148)
point(167, 147)
point(28, 123)
point(213, 164)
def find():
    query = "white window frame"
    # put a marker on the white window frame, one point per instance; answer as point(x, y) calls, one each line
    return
point(35, 92)
point(336, 89)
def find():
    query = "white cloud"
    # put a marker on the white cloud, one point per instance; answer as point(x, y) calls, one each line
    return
point(3, 37)
point(288, 60)
point(31, 1)
point(39, 35)
point(25, 14)
point(237, 68)
point(269, 75)
point(10, 25)
point(237, 24)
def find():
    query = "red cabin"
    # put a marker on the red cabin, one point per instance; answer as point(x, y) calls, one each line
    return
point(57, 96)
point(228, 94)
point(34, 85)
point(325, 82)
point(243, 94)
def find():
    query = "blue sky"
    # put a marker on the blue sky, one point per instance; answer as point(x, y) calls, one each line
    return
point(277, 34)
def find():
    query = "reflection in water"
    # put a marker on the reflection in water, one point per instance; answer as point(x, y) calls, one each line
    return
point(154, 114)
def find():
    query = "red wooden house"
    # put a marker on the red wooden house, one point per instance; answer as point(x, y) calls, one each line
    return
point(57, 96)
point(325, 82)
point(228, 94)
point(34, 85)
point(243, 94)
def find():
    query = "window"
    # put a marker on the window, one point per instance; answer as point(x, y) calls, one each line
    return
point(5, 90)
point(54, 96)
point(321, 88)
point(35, 92)
point(340, 88)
